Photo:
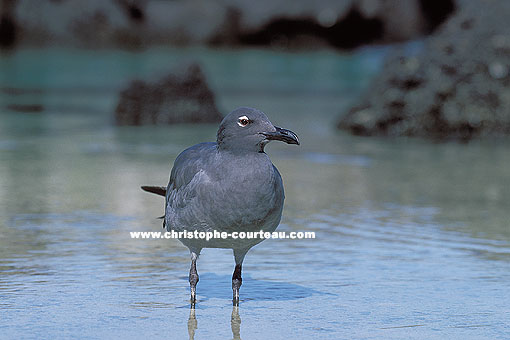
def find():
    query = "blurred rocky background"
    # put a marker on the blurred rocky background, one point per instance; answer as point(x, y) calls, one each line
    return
point(453, 83)
point(284, 23)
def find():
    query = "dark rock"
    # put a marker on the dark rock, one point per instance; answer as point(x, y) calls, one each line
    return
point(456, 86)
point(350, 31)
point(135, 13)
point(177, 98)
point(436, 12)
point(8, 27)
point(8, 31)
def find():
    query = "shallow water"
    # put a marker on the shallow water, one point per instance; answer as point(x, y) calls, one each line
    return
point(412, 238)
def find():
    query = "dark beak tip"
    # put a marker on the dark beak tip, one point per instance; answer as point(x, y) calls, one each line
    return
point(285, 135)
point(293, 138)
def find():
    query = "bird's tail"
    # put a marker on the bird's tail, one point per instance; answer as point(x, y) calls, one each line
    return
point(161, 191)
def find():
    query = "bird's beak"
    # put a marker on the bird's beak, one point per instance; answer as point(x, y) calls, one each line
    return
point(283, 135)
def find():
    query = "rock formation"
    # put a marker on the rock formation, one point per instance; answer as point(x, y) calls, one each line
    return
point(180, 97)
point(455, 86)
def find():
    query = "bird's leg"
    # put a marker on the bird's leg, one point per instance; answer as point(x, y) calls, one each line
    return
point(193, 278)
point(237, 280)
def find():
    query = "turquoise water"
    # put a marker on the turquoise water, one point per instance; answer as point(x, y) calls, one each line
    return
point(412, 238)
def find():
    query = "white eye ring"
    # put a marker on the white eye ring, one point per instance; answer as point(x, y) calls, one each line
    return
point(243, 121)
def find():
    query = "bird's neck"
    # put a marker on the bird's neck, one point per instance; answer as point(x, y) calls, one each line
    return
point(239, 148)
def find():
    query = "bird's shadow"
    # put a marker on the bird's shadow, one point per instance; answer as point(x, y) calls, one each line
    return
point(213, 286)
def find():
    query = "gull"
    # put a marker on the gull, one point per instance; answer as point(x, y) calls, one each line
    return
point(226, 186)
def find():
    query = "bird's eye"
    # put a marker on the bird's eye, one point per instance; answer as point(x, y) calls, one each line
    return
point(243, 121)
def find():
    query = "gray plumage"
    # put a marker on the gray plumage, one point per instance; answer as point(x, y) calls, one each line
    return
point(228, 185)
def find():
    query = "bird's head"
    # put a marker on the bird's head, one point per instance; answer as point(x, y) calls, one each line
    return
point(248, 129)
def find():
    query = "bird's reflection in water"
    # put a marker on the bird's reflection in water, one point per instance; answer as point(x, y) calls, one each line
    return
point(192, 324)
point(235, 324)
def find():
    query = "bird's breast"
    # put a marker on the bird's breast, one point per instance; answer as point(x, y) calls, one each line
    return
point(251, 196)
point(232, 194)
